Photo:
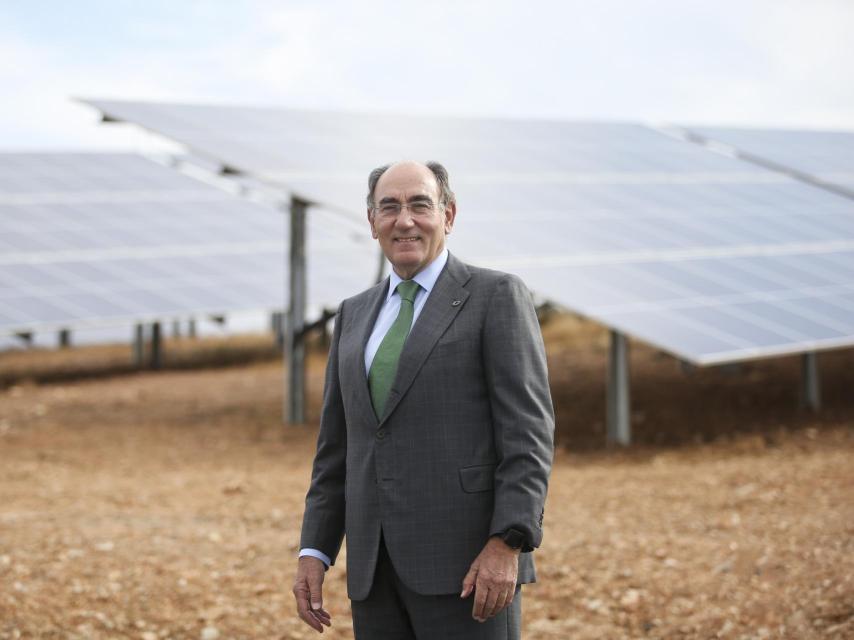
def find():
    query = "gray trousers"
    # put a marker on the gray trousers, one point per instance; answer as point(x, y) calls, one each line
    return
point(393, 612)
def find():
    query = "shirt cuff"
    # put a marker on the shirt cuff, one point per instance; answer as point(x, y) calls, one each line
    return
point(314, 553)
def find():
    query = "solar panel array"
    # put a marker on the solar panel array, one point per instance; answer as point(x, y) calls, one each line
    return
point(827, 156)
point(706, 256)
point(93, 239)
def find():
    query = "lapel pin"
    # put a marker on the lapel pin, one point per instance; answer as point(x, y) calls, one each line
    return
point(456, 303)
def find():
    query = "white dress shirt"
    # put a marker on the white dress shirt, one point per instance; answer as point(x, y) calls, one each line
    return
point(426, 278)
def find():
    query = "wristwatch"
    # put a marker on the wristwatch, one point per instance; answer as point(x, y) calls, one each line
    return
point(514, 539)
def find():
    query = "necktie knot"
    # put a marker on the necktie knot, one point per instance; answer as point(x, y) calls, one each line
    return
point(407, 289)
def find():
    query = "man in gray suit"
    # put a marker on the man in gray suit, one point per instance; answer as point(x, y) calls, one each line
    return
point(436, 435)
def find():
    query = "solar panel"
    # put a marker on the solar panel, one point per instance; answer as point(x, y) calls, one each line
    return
point(825, 155)
point(706, 256)
point(326, 156)
point(104, 238)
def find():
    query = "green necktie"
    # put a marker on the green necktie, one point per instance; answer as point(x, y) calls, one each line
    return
point(384, 365)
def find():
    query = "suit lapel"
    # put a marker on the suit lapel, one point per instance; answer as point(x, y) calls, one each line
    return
point(365, 317)
point(446, 299)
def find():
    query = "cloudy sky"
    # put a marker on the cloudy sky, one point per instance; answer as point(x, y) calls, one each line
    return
point(749, 62)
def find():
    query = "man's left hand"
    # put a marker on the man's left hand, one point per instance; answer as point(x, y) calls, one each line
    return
point(492, 576)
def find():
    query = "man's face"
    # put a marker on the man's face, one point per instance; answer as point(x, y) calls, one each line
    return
point(413, 237)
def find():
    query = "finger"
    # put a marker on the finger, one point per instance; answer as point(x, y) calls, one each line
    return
point(325, 622)
point(322, 616)
point(500, 603)
point(489, 605)
point(301, 593)
point(307, 615)
point(315, 590)
point(469, 582)
point(511, 593)
point(480, 593)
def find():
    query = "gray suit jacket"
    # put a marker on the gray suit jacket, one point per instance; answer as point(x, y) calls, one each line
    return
point(463, 450)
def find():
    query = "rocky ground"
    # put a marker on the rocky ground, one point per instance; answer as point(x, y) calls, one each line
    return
point(168, 504)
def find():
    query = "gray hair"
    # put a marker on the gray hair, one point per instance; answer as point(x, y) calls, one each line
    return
point(439, 172)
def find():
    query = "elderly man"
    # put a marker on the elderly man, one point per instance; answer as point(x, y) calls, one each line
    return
point(436, 435)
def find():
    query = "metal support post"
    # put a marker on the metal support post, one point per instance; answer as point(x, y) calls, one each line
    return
point(139, 346)
point(64, 338)
point(810, 382)
point(295, 344)
point(176, 328)
point(618, 417)
point(277, 326)
point(156, 351)
point(191, 328)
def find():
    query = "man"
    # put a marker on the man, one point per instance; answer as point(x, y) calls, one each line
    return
point(436, 435)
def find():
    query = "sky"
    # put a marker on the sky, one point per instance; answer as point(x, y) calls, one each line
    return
point(770, 63)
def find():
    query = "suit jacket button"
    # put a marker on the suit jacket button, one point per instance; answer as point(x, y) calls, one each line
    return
point(380, 434)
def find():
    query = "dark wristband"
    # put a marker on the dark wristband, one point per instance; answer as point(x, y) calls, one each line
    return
point(514, 539)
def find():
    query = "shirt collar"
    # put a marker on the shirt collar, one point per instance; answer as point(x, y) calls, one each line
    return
point(426, 278)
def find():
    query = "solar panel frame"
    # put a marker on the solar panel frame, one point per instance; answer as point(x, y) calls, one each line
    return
point(824, 157)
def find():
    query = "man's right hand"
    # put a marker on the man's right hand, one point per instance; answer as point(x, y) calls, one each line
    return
point(308, 590)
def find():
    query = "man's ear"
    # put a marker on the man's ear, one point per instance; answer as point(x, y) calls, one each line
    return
point(371, 222)
point(450, 216)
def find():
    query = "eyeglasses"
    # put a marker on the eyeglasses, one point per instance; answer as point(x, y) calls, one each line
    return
point(416, 208)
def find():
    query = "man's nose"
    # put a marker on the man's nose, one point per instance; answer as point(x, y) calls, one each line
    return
point(404, 218)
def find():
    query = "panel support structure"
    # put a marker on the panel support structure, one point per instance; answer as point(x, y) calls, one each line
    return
point(139, 346)
point(811, 385)
point(156, 358)
point(295, 339)
point(618, 417)
point(277, 325)
point(64, 338)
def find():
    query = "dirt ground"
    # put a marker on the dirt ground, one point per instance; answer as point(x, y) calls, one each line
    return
point(167, 504)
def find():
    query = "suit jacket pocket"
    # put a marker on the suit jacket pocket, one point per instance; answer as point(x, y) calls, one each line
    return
point(477, 478)
point(446, 348)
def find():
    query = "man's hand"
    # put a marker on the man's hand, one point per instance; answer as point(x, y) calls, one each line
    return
point(308, 590)
point(492, 576)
